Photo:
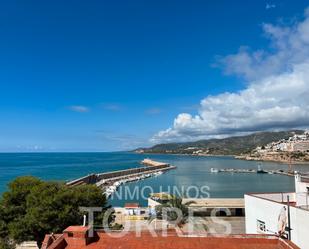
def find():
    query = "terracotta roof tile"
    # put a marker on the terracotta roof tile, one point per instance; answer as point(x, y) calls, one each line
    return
point(172, 241)
point(79, 229)
point(131, 205)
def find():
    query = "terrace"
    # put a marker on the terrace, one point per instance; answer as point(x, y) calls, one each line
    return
point(298, 199)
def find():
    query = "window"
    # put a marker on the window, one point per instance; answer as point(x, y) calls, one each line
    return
point(260, 226)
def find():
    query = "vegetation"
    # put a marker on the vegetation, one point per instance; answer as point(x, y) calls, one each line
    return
point(5, 244)
point(168, 209)
point(300, 156)
point(32, 208)
point(227, 146)
point(117, 226)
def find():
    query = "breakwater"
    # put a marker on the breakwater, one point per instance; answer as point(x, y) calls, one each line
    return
point(110, 181)
point(258, 171)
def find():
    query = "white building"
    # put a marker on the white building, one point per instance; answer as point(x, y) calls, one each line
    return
point(302, 146)
point(132, 209)
point(268, 213)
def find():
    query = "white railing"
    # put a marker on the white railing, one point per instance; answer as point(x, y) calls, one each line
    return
point(279, 197)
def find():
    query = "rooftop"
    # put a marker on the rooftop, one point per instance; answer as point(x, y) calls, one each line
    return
point(294, 199)
point(216, 202)
point(104, 240)
point(78, 229)
point(131, 205)
point(298, 199)
point(203, 202)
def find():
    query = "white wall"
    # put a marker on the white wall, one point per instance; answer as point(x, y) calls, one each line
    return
point(300, 226)
point(259, 209)
point(152, 203)
point(302, 197)
point(300, 186)
point(268, 211)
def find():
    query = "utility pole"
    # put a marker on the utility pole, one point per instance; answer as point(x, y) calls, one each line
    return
point(289, 217)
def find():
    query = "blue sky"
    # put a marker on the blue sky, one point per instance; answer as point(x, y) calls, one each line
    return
point(110, 75)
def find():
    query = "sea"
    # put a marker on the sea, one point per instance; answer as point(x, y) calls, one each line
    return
point(192, 177)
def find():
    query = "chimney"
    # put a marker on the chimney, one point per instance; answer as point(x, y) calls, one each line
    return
point(77, 236)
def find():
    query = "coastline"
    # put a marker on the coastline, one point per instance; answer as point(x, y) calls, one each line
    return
point(246, 158)
point(239, 157)
point(180, 154)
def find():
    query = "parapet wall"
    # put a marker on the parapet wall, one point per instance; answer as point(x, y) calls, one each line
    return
point(89, 179)
point(130, 171)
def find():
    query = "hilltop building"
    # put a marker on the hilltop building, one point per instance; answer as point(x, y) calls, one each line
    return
point(302, 146)
point(296, 143)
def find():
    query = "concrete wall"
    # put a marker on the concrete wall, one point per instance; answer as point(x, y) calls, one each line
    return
point(300, 226)
point(268, 212)
point(89, 179)
point(301, 185)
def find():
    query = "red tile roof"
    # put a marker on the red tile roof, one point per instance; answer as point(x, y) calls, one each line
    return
point(131, 205)
point(79, 229)
point(104, 240)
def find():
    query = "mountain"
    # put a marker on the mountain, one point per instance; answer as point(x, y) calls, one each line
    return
point(227, 146)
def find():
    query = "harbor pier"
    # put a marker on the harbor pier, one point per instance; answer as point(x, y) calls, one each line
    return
point(110, 181)
point(258, 171)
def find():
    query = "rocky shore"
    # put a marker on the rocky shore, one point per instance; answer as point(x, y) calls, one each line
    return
point(284, 157)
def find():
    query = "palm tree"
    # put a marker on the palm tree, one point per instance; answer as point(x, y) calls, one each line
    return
point(168, 211)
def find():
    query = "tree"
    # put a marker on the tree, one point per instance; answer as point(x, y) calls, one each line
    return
point(13, 206)
point(35, 208)
point(5, 244)
point(169, 207)
point(14, 201)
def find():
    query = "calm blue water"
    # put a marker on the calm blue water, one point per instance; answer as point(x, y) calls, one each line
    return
point(191, 171)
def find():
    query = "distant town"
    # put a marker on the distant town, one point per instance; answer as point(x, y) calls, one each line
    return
point(286, 146)
point(293, 149)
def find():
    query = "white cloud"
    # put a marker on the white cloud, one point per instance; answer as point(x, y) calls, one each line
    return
point(270, 6)
point(276, 95)
point(79, 108)
point(289, 43)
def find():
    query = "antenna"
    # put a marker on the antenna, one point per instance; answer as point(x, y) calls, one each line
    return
point(84, 222)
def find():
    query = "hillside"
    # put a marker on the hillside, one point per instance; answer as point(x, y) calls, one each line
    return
point(227, 146)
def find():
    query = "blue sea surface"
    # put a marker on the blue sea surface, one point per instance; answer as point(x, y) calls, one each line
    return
point(191, 171)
